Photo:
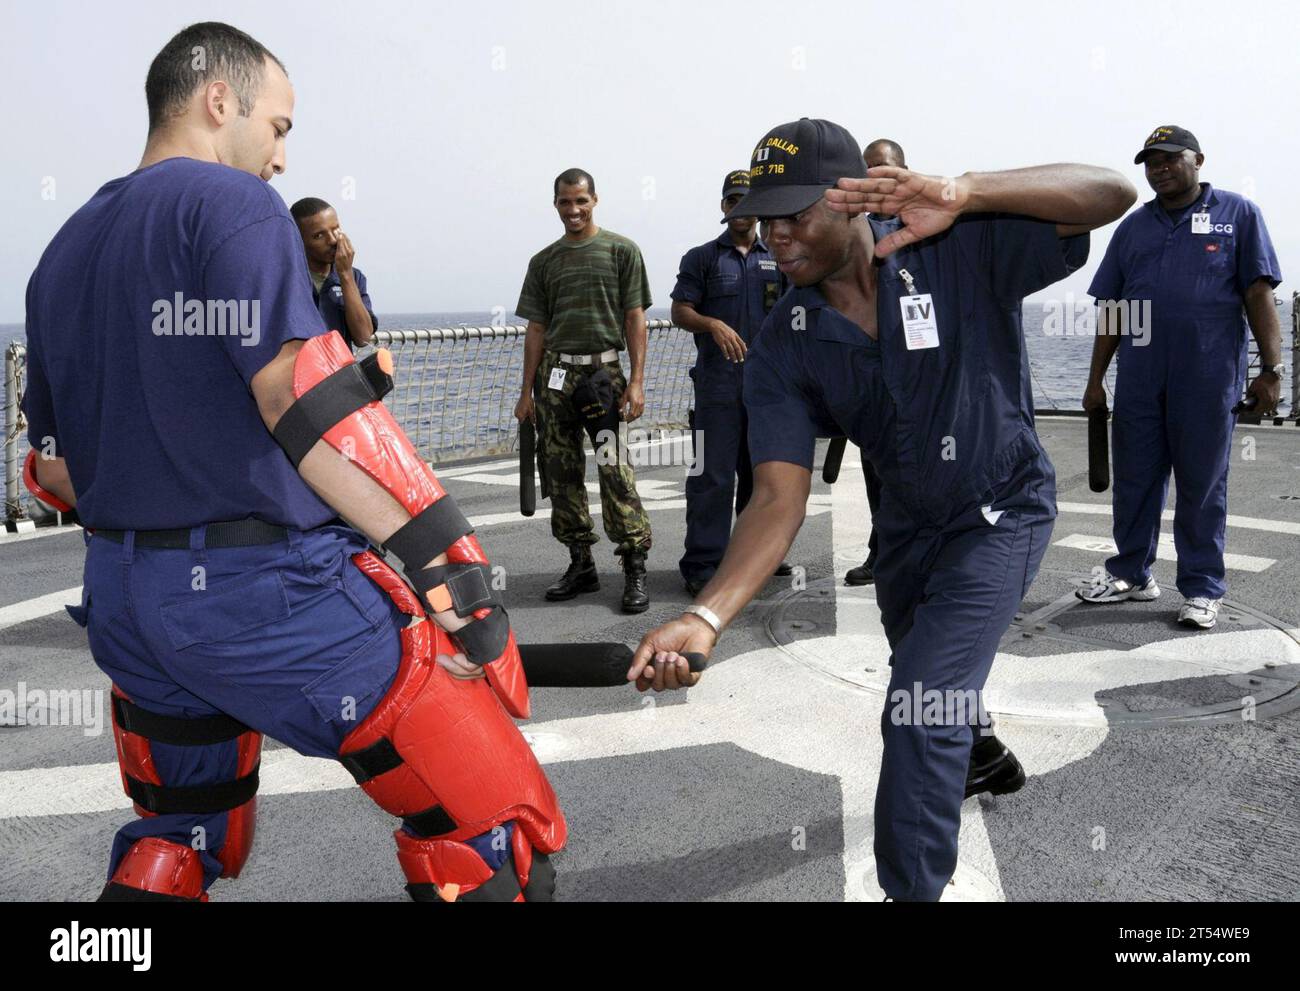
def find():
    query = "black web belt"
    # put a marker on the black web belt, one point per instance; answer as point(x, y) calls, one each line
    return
point(235, 533)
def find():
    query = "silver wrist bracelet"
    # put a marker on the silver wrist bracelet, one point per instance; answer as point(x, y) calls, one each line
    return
point(709, 616)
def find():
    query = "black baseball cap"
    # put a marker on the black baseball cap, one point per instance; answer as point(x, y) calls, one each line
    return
point(1168, 137)
point(794, 164)
point(736, 182)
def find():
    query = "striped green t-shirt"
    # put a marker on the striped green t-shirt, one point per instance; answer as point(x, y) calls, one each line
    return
point(580, 290)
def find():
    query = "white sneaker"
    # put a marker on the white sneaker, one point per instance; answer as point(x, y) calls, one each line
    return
point(1107, 588)
point(1200, 611)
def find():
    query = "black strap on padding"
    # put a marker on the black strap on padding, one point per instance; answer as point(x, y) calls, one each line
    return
point(433, 821)
point(326, 403)
point(381, 757)
point(376, 759)
point(181, 732)
point(427, 534)
point(484, 639)
point(195, 799)
point(470, 586)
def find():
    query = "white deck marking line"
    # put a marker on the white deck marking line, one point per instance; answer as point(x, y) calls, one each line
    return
point(1244, 522)
point(43, 605)
point(44, 531)
point(1164, 551)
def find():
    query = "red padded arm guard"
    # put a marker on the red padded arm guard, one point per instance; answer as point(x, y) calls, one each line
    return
point(34, 487)
point(374, 441)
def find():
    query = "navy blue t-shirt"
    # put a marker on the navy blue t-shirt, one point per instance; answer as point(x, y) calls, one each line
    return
point(945, 427)
point(329, 301)
point(147, 318)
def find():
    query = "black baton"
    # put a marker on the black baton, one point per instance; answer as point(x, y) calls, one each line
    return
point(583, 665)
point(1098, 449)
point(527, 467)
point(834, 455)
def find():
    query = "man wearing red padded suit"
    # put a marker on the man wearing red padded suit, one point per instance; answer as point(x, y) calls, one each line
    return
point(185, 397)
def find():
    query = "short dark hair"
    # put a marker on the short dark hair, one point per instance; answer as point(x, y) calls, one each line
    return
point(198, 55)
point(571, 177)
point(308, 206)
point(892, 145)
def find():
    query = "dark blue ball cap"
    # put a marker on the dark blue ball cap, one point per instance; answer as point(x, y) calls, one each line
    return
point(1168, 137)
point(794, 164)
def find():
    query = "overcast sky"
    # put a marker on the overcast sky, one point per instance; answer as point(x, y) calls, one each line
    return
point(451, 120)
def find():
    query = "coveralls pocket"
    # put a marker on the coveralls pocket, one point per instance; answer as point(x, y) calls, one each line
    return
point(225, 612)
point(1220, 258)
point(291, 640)
point(343, 691)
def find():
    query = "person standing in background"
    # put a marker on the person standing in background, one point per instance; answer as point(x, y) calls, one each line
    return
point(338, 286)
point(1202, 260)
point(725, 287)
point(585, 298)
point(880, 152)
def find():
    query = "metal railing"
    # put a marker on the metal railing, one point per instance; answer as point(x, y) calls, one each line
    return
point(15, 429)
point(457, 387)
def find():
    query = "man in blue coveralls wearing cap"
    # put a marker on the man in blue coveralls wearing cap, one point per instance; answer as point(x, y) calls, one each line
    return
point(724, 290)
point(1201, 259)
point(911, 345)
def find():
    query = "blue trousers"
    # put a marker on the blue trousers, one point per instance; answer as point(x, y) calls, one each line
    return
point(946, 597)
point(289, 638)
point(1183, 424)
point(722, 488)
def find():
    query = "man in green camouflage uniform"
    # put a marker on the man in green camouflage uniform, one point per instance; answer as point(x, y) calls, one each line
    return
point(585, 298)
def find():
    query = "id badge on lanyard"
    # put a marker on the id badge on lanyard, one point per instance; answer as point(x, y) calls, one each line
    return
point(1201, 220)
point(920, 325)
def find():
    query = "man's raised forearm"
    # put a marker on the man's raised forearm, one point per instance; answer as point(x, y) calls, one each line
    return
point(1078, 195)
point(360, 327)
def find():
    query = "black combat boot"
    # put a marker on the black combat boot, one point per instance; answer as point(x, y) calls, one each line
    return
point(635, 598)
point(581, 576)
point(993, 767)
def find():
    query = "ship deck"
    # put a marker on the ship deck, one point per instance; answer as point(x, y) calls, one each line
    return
point(1163, 764)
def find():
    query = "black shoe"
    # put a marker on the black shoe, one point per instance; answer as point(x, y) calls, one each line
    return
point(993, 768)
point(581, 576)
point(694, 586)
point(635, 598)
point(859, 576)
point(784, 571)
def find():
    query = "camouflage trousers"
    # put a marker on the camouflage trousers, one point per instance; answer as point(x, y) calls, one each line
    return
point(559, 440)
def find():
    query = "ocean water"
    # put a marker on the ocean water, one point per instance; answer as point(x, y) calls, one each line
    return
point(1058, 362)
